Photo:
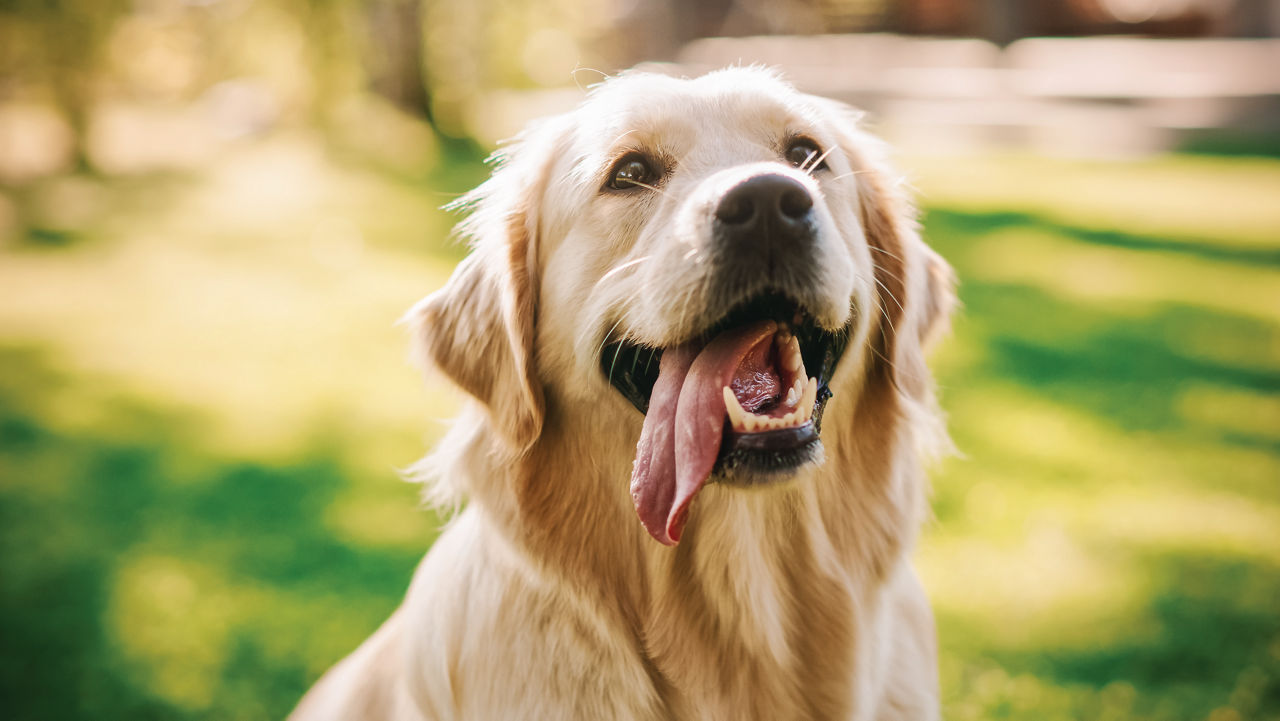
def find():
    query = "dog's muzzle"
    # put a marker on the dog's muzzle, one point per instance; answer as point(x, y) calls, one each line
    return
point(742, 400)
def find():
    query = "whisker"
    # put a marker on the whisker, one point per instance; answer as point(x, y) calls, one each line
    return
point(877, 267)
point(895, 276)
point(605, 340)
point(624, 134)
point(891, 255)
point(652, 354)
point(574, 75)
point(614, 364)
point(620, 268)
point(892, 329)
point(882, 357)
point(842, 176)
point(890, 294)
point(813, 166)
point(654, 188)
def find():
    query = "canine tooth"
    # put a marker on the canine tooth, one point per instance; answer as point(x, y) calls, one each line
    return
point(737, 414)
point(791, 397)
point(792, 361)
point(810, 396)
point(795, 361)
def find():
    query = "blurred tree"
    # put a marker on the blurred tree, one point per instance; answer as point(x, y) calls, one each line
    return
point(394, 57)
point(58, 45)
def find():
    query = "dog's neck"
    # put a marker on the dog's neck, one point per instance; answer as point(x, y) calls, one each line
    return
point(769, 578)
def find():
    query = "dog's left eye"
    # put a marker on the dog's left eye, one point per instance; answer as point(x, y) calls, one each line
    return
point(632, 171)
point(802, 152)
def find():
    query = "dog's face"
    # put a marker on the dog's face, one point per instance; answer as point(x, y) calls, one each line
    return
point(702, 252)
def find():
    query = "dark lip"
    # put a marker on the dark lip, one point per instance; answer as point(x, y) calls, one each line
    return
point(745, 458)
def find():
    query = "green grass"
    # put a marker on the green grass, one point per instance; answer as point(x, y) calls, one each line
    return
point(1108, 546)
point(203, 401)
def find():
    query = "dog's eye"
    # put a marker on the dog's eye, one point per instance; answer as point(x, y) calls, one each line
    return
point(632, 171)
point(802, 152)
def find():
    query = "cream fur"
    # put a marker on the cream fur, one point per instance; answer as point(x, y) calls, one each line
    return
point(545, 598)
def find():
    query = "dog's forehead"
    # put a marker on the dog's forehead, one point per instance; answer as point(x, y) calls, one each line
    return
point(740, 104)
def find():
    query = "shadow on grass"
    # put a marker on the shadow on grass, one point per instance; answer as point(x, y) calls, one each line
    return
point(1128, 370)
point(1208, 638)
point(1102, 358)
point(970, 223)
point(76, 506)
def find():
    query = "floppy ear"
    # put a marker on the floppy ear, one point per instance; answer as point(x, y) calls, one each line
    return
point(478, 330)
point(918, 283)
point(938, 298)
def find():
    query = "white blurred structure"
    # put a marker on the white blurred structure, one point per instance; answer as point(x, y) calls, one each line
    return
point(1088, 97)
point(1098, 96)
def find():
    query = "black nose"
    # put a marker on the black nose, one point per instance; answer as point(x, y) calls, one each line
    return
point(766, 209)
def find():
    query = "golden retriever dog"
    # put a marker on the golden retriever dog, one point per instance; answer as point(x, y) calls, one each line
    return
point(691, 334)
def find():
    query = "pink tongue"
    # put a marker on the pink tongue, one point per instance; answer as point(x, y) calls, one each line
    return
point(681, 435)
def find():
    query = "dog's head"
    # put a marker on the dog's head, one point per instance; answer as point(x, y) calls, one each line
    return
point(709, 260)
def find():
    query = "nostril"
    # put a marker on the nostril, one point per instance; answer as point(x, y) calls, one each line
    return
point(735, 209)
point(795, 202)
point(768, 203)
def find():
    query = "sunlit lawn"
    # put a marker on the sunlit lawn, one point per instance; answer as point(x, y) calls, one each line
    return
point(204, 400)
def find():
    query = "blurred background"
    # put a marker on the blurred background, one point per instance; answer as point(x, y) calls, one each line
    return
point(213, 211)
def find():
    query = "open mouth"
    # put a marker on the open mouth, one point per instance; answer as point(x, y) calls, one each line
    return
point(742, 401)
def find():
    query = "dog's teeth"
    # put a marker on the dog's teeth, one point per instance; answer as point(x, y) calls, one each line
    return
point(792, 360)
point(737, 415)
point(801, 396)
point(808, 399)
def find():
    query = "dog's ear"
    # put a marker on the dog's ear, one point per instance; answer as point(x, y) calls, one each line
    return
point(478, 330)
point(938, 298)
point(917, 287)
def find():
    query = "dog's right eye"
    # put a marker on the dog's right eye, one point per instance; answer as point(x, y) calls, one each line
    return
point(631, 172)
